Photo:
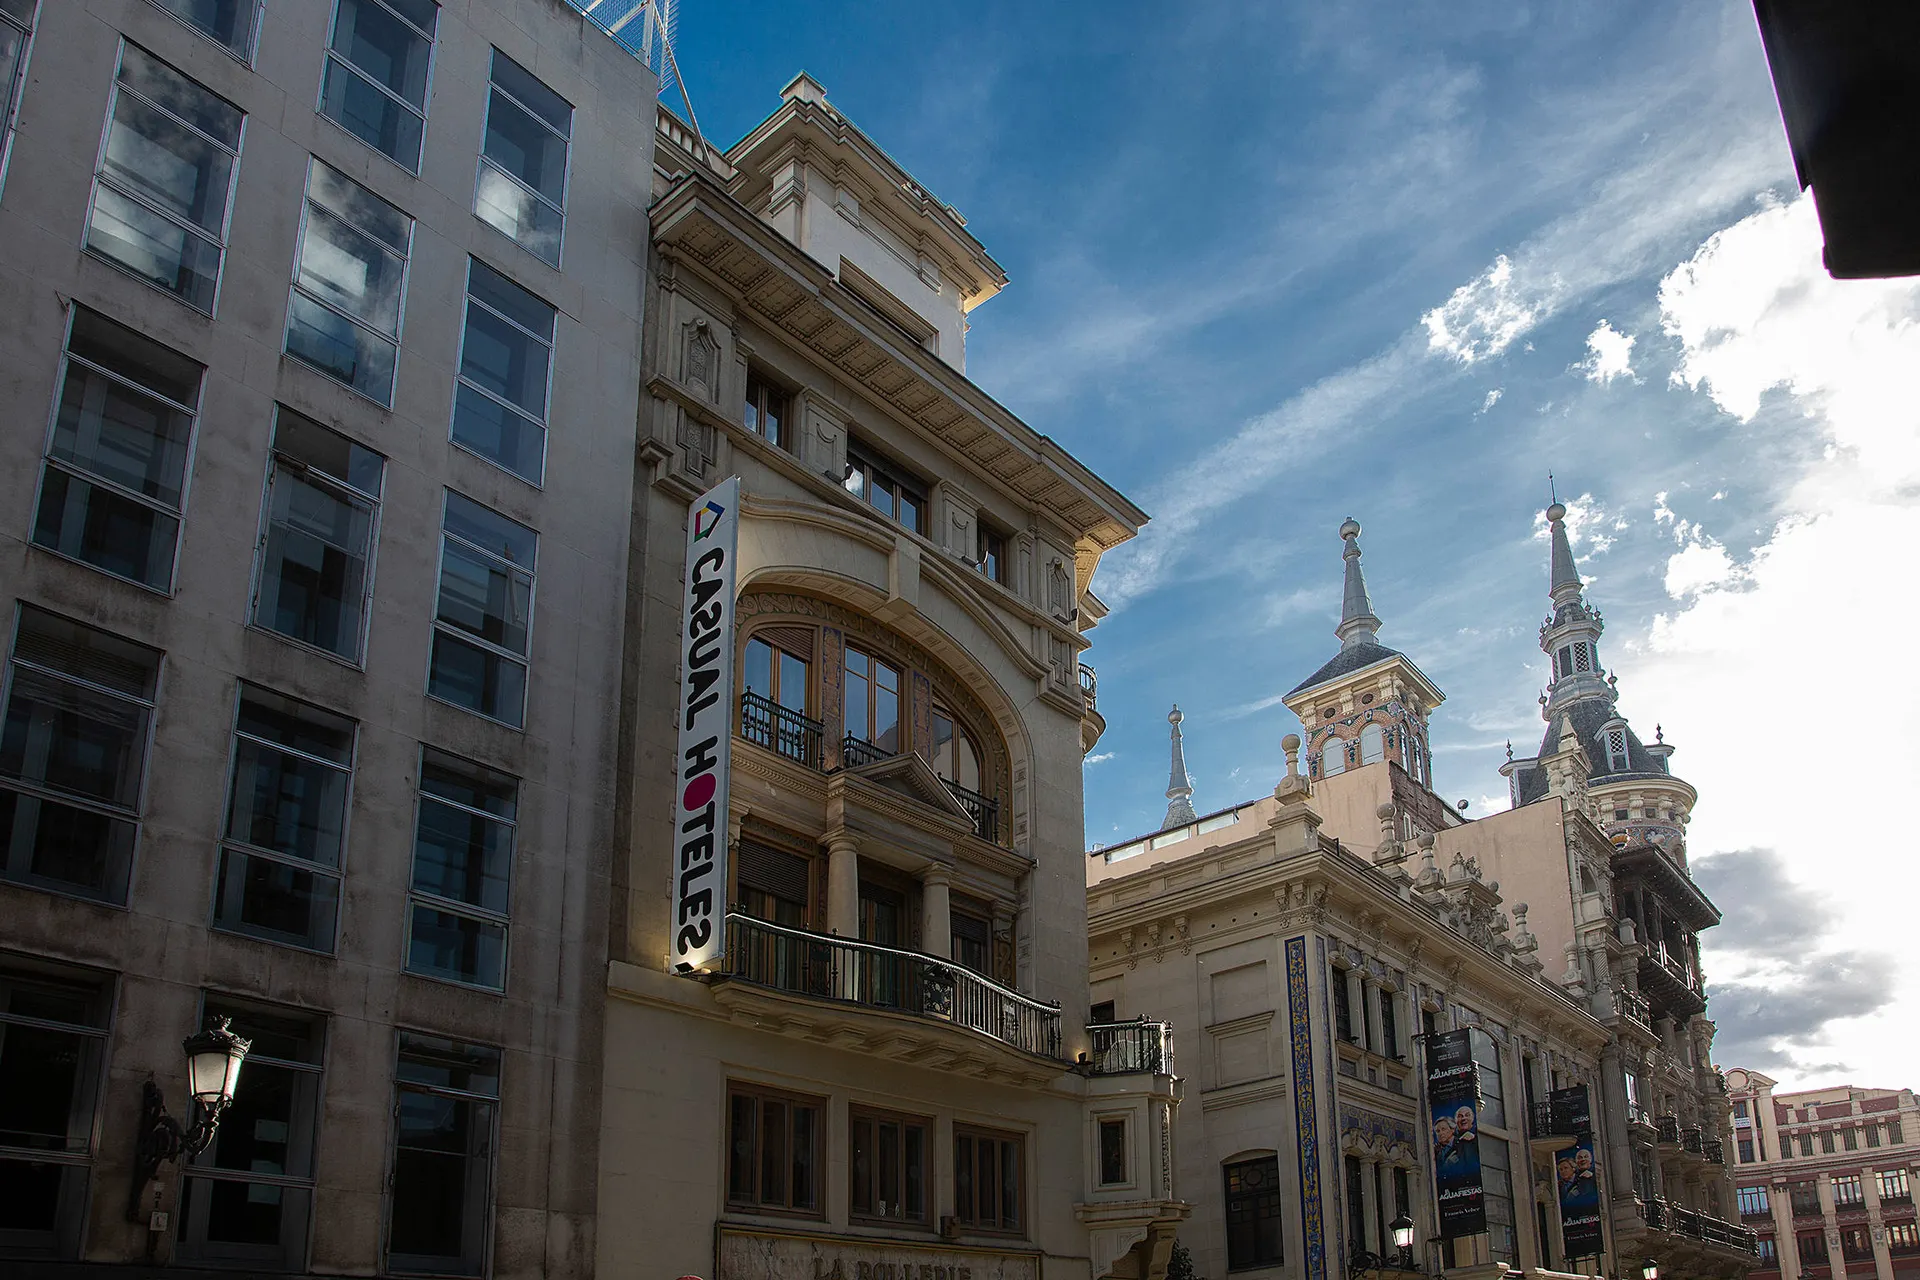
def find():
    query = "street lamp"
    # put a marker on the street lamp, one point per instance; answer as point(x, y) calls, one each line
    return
point(213, 1073)
point(1650, 1269)
point(1401, 1229)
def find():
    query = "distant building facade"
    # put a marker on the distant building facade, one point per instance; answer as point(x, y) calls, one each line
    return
point(320, 354)
point(890, 1066)
point(1580, 888)
point(1826, 1176)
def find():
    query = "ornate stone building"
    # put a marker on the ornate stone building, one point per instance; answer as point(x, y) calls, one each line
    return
point(891, 1064)
point(1580, 888)
point(1826, 1177)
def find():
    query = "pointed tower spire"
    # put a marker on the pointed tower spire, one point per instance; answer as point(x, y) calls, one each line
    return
point(1565, 584)
point(1179, 790)
point(1357, 623)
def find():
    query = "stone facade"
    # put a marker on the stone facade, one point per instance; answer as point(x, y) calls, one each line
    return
point(900, 1010)
point(285, 635)
point(1826, 1177)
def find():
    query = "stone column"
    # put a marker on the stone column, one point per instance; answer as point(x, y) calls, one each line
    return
point(936, 920)
point(843, 886)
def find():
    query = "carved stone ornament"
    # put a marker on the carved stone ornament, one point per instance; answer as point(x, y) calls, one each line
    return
point(700, 362)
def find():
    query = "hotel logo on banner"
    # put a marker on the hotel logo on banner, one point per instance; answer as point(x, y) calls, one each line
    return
point(1453, 1098)
point(706, 730)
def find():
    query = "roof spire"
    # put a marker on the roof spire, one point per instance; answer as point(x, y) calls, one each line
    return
point(1564, 585)
point(1357, 623)
point(1179, 790)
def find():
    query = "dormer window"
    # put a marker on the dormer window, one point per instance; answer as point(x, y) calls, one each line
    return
point(766, 411)
point(895, 494)
point(1616, 740)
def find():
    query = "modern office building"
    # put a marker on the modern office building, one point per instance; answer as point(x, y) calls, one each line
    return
point(1826, 1177)
point(889, 1067)
point(1593, 978)
point(321, 355)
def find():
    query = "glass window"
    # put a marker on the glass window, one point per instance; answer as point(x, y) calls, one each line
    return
point(1253, 1214)
point(1333, 758)
point(116, 468)
point(1893, 1133)
point(1826, 1141)
point(887, 1166)
point(1753, 1201)
point(1847, 1190)
point(1856, 1245)
point(1873, 1134)
point(165, 179)
point(506, 360)
point(16, 41)
point(522, 188)
point(462, 865)
point(1806, 1144)
point(1389, 1027)
point(286, 825)
point(1903, 1237)
point(773, 1151)
point(766, 413)
point(1113, 1153)
point(991, 554)
point(53, 1027)
point(376, 79)
point(1487, 1056)
point(1767, 1252)
point(443, 1136)
point(343, 316)
point(1342, 1006)
point(1893, 1185)
point(73, 756)
point(989, 1183)
point(246, 1200)
point(1813, 1248)
point(1805, 1197)
point(316, 557)
point(1745, 1152)
point(954, 755)
point(231, 22)
point(485, 612)
point(873, 702)
point(1496, 1177)
point(776, 675)
point(896, 495)
point(972, 947)
point(1850, 1139)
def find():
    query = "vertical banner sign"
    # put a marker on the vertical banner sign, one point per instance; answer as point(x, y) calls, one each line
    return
point(1453, 1097)
point(1575, 1176)
point(706, 729)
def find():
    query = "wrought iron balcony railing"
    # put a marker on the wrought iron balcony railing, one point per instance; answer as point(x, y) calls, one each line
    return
point(1691, 1140)
point(828, 967)
point(1122, 1047)
point(1633, 1006)
point(1668, 1127)
point(1714, 1231)
point(1090, 686)
point(1713, 1151)
point(984, 812)
point(781, 730)
point(856, 751)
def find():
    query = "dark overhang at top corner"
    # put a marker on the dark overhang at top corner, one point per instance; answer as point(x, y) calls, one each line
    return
point(1847, 77)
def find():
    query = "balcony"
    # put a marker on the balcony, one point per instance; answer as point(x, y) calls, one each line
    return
point(1692, 1141)
point(840, 971)
point(1668, 1129)
point(1663, 1215)
point(1123, 1047)
point(1633, 1006)
point(984, 812)
point(1090, 687)
point(855, 752)
point(781, 730)
point(1714, 1152)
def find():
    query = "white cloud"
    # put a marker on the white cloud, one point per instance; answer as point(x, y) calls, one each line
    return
point(1493, 398)
point(1101, 758)
point(1486, 314)
point(1609, 355)
point(1756, 316)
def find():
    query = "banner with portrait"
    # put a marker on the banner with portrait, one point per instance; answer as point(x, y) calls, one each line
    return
point(1577, 1179)
point(1453, 1099)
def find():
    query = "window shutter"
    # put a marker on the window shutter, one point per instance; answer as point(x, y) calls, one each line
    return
point(774, 871)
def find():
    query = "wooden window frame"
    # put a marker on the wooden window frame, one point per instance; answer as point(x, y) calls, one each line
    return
point(759, 1095)
point(978, 1139)
point(875, 469)
point(876, 1116)
point(766, 399)
point(1228, 1201)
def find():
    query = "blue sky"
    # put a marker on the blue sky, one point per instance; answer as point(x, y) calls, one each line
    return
point(1274, 265)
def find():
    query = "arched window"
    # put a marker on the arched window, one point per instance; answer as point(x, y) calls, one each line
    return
point(1373, 744)
point(1333, 758)
point(954, 756)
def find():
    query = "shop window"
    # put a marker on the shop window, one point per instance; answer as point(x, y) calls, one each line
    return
point(1253, 1213)
point(989, 1180)
point(246, 1201)
point(445, 1125)
point(53, 1029)
point(773, 1151)
point(887, 1159)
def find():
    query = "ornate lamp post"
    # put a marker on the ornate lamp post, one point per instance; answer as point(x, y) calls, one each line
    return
point(1401, 1229)
point(213, 1073)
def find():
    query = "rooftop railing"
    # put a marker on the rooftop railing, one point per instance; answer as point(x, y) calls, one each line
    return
point(829, 967)
point(1123, 1047)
